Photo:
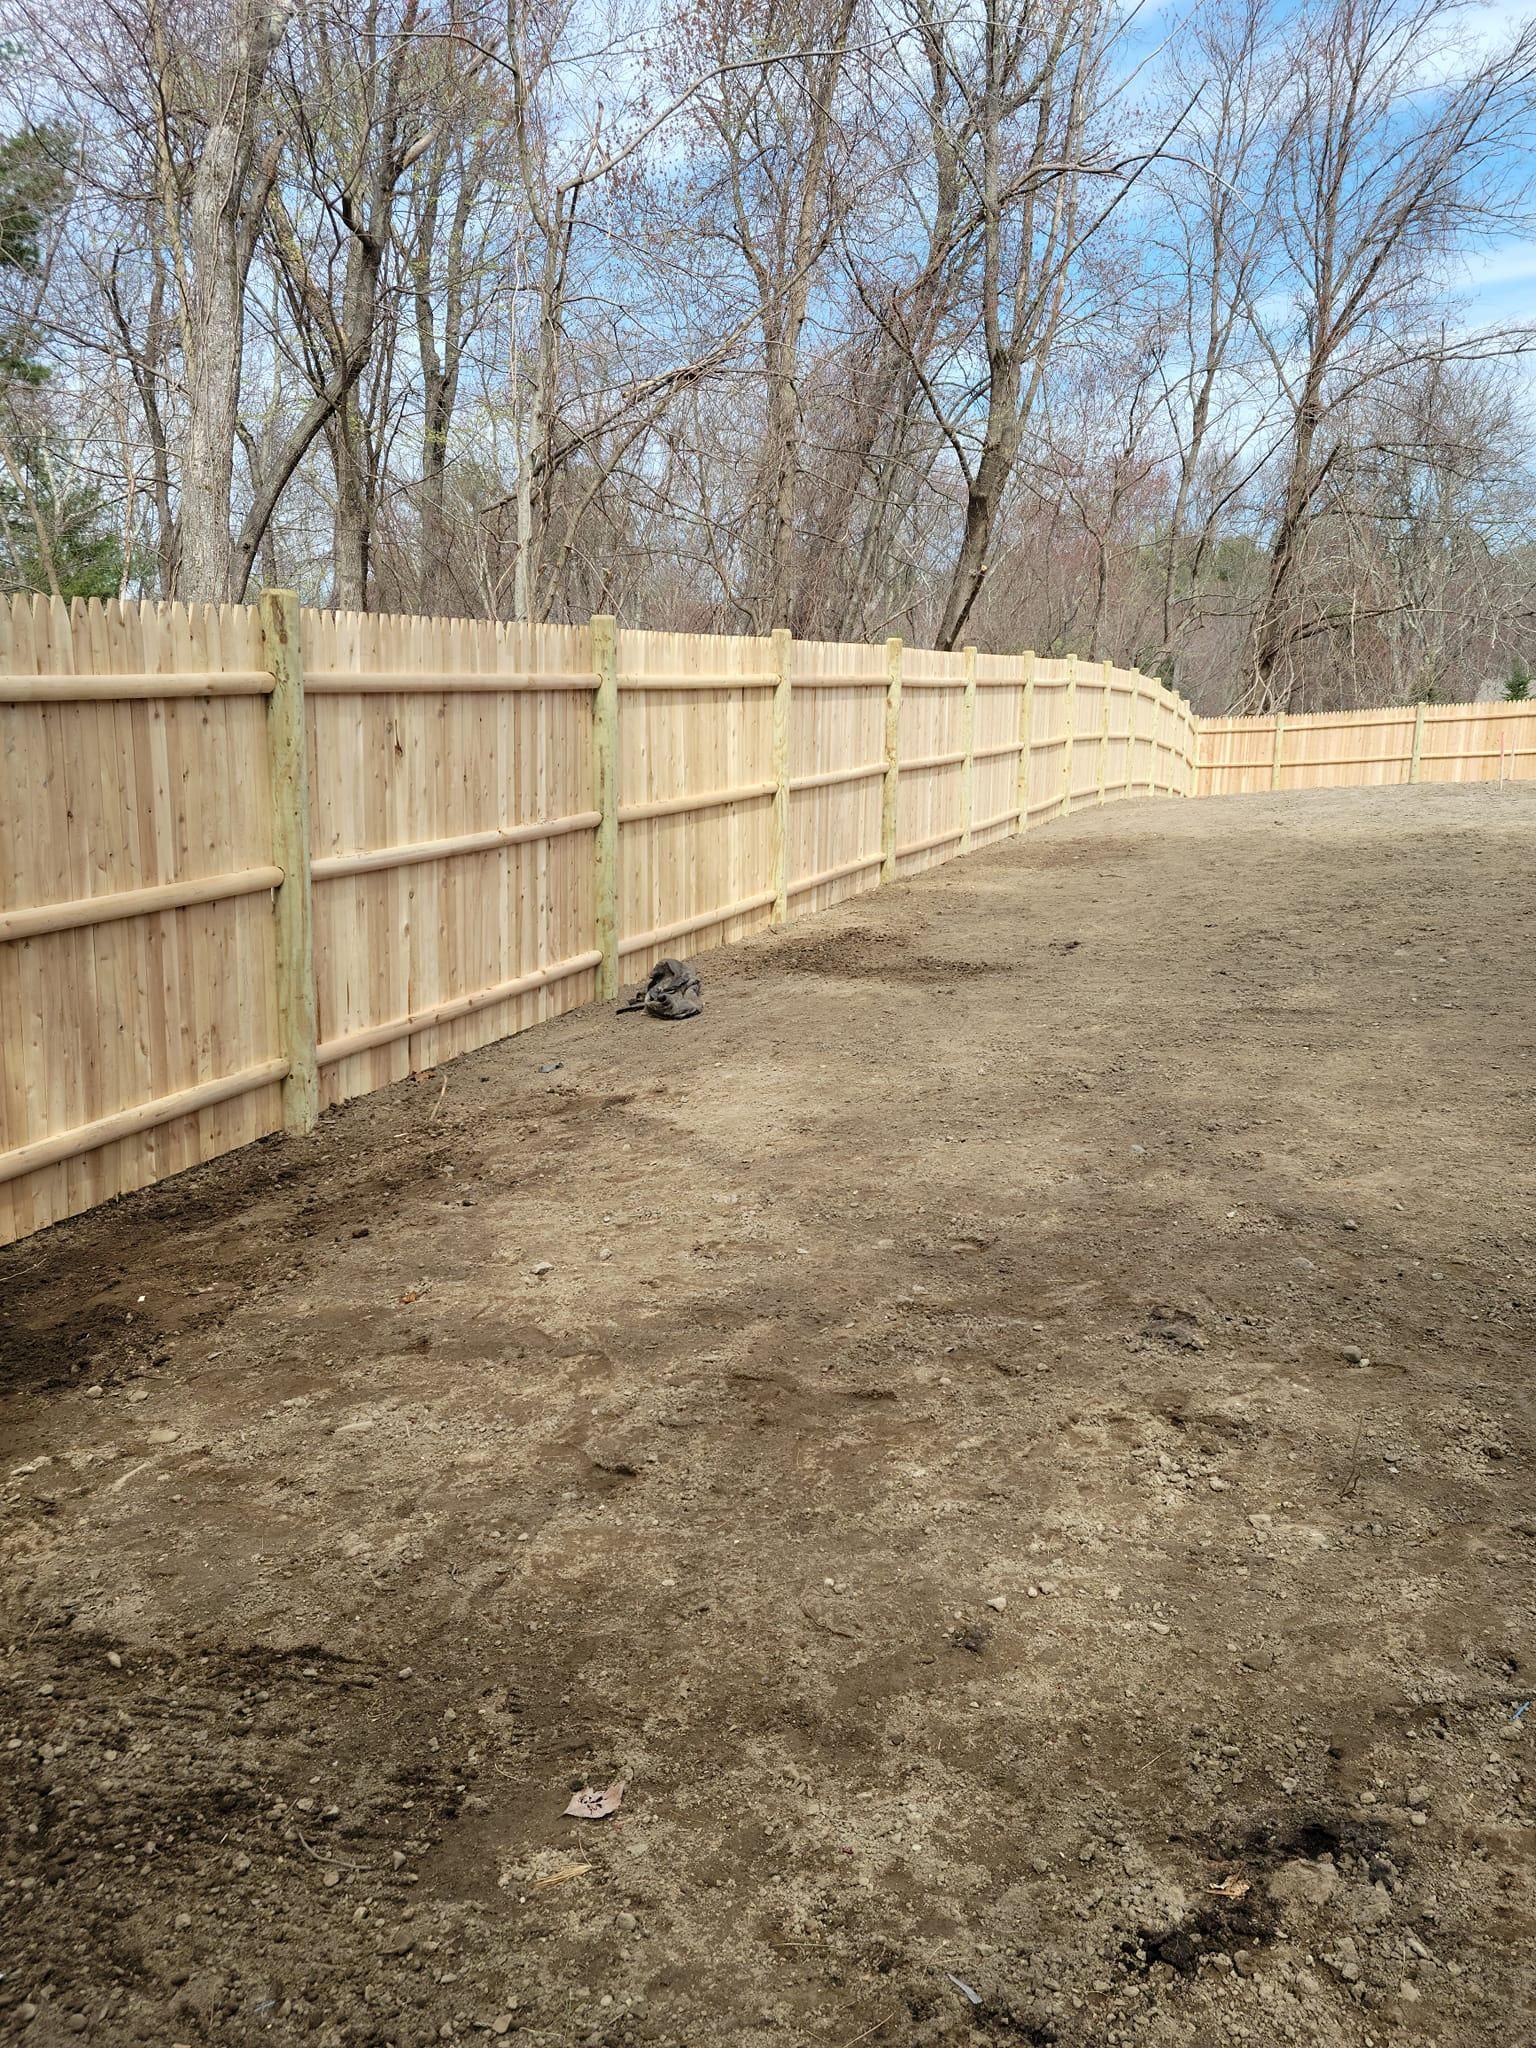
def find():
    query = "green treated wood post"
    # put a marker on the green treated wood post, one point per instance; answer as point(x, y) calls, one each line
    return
point(1026, 734)
point(605, 801)
point(1066, 752)
point(968, 741)
point(779, 830)
point(892, 760)
point(288, 766)
point(1415, 762)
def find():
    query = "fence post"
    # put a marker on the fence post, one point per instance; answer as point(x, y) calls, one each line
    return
point(1274, 767)
point(1026, 734)
point(892, 761)
point(1066, 752)
point(1418, 742)
point(1106, 669)
point(968, 741)
point(288, 767)
point(605, 801)
point(779, 830)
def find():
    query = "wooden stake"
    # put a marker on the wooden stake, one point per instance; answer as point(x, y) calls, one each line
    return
point(1026, 734)
point(288, 768)
point(968, 742)
point(1274, 770)
point(1107, 670)
point(892, 760)
point(1066, 752)
point(605, 801)
point(778, 852)
point(1418, 742)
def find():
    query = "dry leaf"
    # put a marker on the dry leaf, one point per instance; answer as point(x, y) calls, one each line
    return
point(1232, 1888)
point(589, 1804)
point(559, 1876)
point(407, 1299)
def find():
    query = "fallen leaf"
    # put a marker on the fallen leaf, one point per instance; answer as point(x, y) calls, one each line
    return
point(407, 1299)
point(559, 1876)
point(1232, 1888)
point(589, 1804)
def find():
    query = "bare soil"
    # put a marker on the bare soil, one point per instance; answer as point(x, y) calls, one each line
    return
point(1010, 1435)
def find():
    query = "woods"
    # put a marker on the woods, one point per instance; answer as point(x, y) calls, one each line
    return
point(1017, 322)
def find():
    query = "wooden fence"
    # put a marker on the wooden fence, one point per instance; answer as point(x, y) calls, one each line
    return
point(1355, 749)
point(255, 860)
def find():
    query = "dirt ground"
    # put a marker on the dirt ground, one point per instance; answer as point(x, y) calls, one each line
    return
point(1009, 1435)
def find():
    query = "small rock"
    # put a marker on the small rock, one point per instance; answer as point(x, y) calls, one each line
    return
point(163, 1435)
point(114, 1660)
point(1350, 1223)
point(242, 1865)
point(1353, 1355)
point(183, 1922)
point(1219, 1485)
point(1418, 1795)
point(93, 1393)
point(502, 2023)
point(999, 1601)
point(626, 1923)
point(1303, 1884)
point(406, 1671)
point(544, 1266)
point(1409, 1992)
point(331, 1877)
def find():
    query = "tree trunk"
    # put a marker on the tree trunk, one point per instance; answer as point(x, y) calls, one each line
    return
point(220, 235)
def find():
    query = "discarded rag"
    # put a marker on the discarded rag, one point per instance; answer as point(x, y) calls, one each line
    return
point(673, 991)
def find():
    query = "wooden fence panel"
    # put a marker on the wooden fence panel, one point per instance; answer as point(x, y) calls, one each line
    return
point(999, 707)
point(930, 804)
point(1090, 704)
point(696, 791)
point(1049, 739)
point(1123, 689)
point(137, 966)
point(837, 731)
point(452, 831)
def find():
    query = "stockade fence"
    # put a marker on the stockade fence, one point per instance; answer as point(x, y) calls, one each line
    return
point(1367, 749)
point(257, 860)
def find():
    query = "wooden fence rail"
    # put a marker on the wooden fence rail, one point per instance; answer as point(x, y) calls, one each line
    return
point(257, 860)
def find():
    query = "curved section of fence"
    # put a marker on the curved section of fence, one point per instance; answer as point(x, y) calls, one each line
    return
point(254, 860)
